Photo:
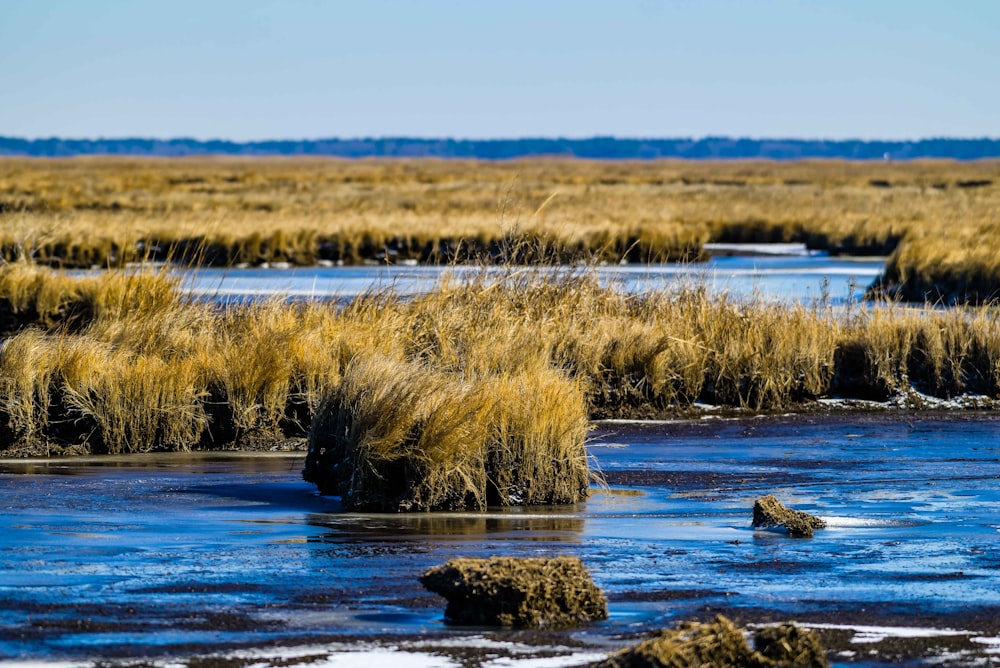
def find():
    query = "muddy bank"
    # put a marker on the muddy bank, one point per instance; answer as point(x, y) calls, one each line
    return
point(77, 437)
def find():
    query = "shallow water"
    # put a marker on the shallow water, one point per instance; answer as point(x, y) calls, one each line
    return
point(175, 555)
point(794, 274)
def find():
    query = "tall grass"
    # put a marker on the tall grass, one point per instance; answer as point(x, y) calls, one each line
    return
point(397, 435)
point(522, 359)
point(400, 436)
point(938, 216)
point(136, 403)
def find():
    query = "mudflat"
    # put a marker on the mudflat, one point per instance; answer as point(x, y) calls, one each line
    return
point(219, 557)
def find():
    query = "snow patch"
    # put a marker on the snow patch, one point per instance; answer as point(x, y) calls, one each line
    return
point(873, 634)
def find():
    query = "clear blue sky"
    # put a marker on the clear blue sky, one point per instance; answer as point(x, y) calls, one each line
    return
point(292, 69)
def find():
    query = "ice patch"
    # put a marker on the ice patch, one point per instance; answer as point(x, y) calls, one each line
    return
point(992, 644)
point(383, 658)
point(42, 664)
point(911, 400)
point(872, 634)
point(858, 522)
point(789, 249)
point(417, 654)
point(578, 659)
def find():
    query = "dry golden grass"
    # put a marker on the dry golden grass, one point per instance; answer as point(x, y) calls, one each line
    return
point(101, 211)
point(135, 403)
point(105, 211)
point(483, 387)
point(480, 391)
point(394, 435)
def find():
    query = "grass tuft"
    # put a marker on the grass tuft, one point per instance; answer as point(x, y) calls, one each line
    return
point(397, 435)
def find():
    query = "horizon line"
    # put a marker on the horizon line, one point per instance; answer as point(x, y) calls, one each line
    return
point(431, 138)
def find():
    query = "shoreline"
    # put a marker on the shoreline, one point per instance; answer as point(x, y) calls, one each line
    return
point(680, 422)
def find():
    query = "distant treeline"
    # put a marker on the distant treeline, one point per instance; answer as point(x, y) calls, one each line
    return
point(603, 148)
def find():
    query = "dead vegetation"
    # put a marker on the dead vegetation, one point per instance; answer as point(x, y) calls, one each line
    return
point(936, 218)
point(721, 645)
point(122, 362)
point(769, 512)
point(517, 592)
point(401, 436)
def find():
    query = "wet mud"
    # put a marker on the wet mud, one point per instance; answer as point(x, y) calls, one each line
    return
point(231, 560)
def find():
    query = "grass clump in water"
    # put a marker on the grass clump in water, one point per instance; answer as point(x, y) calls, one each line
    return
point(517, 592)
point(721, 645)
point(769, 512)
point(400, 436)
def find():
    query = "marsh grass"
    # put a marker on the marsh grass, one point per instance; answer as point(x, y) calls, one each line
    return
point(27, 363)
point(135, 402)
point(32, 295)
point(495, 376)
point(936, 218)
point(396, 435)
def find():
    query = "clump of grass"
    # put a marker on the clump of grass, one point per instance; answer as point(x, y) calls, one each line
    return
point(249, 367)
point(30, 294)
point(398, 435)
point(944, 353)
point(535, 433)
point(26, 368)
point(769, 512)
point(768, 356)
point(720, 643)
point(520, 593)
point(137, 403)
point(957, 268)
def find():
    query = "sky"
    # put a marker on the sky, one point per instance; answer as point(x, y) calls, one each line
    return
point(307, 69)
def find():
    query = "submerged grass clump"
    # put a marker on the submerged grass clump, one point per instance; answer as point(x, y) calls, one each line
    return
point(517, 592)
point(769, 512)
point(721, 644)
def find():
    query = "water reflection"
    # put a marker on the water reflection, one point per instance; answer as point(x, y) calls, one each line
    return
point(192, 462)
point(543, 523)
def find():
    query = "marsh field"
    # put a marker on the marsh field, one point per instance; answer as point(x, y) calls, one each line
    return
point(502, 401)
point(936, 220)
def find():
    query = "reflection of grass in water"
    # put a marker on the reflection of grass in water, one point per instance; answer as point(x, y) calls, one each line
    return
point(543, 524)
point(121, 363)
point(106, 211)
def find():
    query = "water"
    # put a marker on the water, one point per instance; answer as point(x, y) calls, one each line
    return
point(788, 273)
point(180, 555)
